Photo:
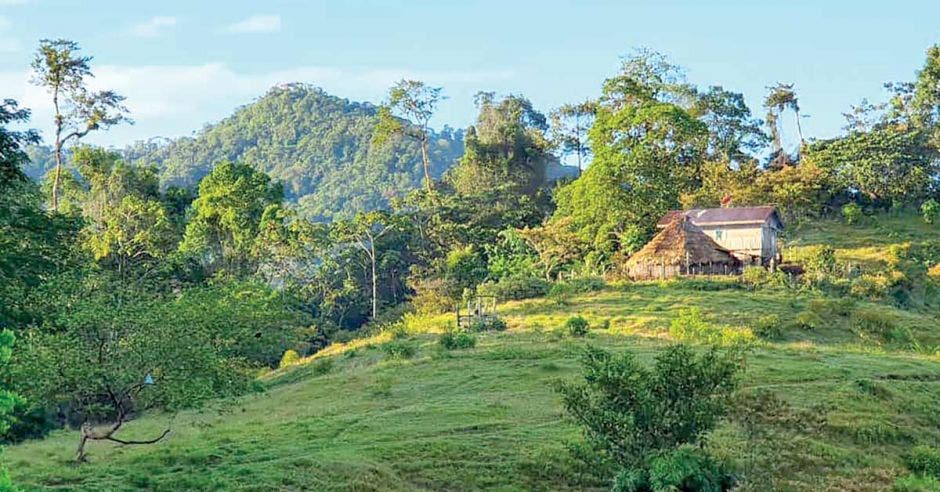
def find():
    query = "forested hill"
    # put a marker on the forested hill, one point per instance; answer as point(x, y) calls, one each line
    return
point(317, 145)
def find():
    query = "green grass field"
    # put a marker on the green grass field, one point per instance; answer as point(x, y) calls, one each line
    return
point(848, 404)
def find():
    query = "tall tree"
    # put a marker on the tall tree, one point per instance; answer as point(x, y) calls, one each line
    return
point(77, 111)
point(647, 151)
point(734, 135)
point(30, 240)
point(781, 98)
point(506, 149)
point(415, 102)
point(570, 125)
point(363, 232)
point(227, 215)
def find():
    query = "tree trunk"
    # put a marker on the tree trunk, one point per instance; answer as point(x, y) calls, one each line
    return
point(57, 151)
point(427, 164)
point(375, 290)
point(799, 130)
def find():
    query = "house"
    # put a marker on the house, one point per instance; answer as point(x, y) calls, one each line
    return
point(750, 233)
point(680, 248)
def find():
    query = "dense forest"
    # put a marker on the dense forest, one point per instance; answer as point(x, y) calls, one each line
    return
point(172, 273)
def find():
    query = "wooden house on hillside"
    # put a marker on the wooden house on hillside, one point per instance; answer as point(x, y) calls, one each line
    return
point(680, 248)
point(750, 233)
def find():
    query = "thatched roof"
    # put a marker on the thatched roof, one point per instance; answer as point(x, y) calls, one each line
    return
point(679, 242)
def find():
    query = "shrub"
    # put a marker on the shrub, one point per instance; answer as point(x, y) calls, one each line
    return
point(495, 324)
point(820, 261)
point(290, 358)
point(924, 460)
point(808, 320)
point(634, 417)
point(691, 326)
point(874, 322)
point(515, 288)
point(400, 349)
point(756, 276)
point(576, 326)
point(689, 468)
point(768, 327)
point(453, 340)
point(852, 213)
point(931, 211)
point(577, 286)
point(914, 483)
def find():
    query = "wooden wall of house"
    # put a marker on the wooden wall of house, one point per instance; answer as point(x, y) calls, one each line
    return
point(651, 271)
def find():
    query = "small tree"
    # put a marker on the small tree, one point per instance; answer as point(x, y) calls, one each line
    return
point(77, 111)
point(638, 418)
point(931, 211)
point(121, 352)
point(570, 125)
point(363, 232)
point(416, 102)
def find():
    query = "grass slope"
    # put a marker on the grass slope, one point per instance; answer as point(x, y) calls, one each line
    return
point(356, 418)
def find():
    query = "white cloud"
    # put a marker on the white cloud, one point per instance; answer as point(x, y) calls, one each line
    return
point(256, 24)
point(153, 27)
point(174, 100)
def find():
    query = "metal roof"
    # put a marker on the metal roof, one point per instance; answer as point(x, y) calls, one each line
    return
point(721, 216)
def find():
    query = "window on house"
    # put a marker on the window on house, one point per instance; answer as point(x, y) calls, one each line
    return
point(718, 233)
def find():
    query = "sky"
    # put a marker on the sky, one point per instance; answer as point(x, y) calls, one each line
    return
point(183, 64)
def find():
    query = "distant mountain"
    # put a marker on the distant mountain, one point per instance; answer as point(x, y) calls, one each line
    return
point(316, 144)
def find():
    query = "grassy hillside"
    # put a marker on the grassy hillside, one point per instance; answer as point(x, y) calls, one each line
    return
point(848, 402)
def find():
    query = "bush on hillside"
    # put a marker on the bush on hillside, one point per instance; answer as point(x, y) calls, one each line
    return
point(768, 327)
point(691, 326)
point(453, 340)
point(400, 348)
point(931, 211)
point(924, 460)
point(290, 358)
point(577, 326)
point(514, 288)
point(820, 262)
point(577, 286)
point(852, 213)
point(756, 276)
point(632, 416)
point(495, 324)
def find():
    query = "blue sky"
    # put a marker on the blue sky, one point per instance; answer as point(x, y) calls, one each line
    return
point(183, 64)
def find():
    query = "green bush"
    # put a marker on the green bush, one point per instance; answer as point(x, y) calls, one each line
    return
point(577, 286)
point(454, 340)
point(400, 349)
point(515, 288)
point(576, 326)
point(756, 276)
point(924, 460)
point(808, 320)
point(874, 322)
point(633, 416)
point(495, 324)
point(290, 358)
point(931, 211)
point(852, 213)
point(768, 327)
point(691, 326)
point(689, 468)
point(820, 262)
point(915, 483)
